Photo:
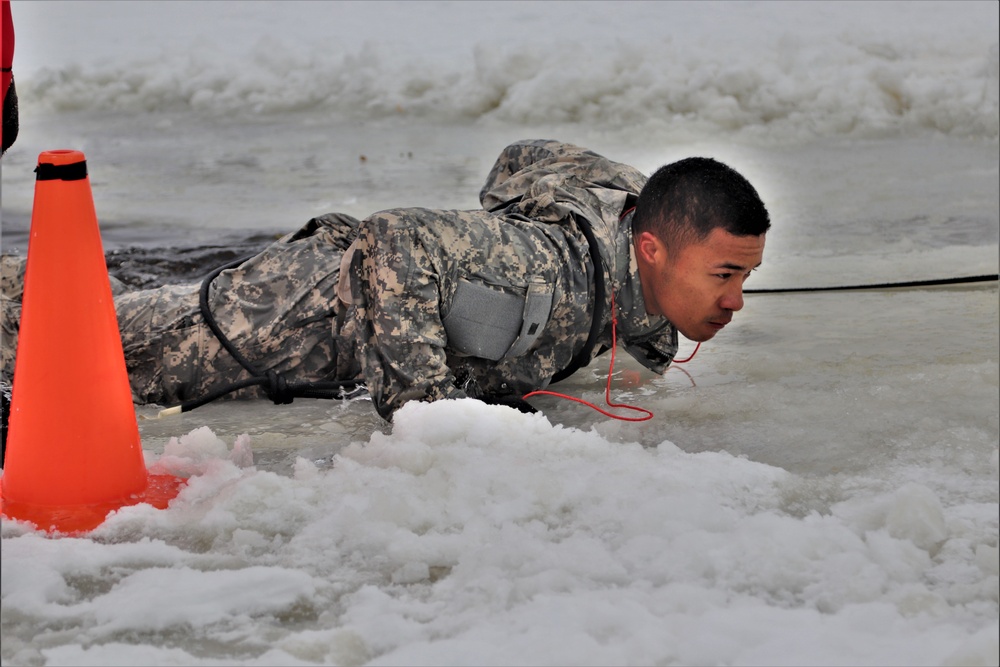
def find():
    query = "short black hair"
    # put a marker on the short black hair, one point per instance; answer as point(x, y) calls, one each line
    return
point(684, 201)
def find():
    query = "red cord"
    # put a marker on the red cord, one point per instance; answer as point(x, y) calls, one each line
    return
point(611, 369)
point(607, 390)
point(684, 361)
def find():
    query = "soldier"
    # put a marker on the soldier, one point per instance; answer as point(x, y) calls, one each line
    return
point(422, 304)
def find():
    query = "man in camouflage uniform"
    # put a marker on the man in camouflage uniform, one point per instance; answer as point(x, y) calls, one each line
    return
point(491, 304)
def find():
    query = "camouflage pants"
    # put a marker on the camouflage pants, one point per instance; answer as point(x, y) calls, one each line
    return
point(278, 309)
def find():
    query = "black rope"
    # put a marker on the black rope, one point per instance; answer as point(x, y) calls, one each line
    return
point(913, 283)
point(277, 388)
point(206, 313)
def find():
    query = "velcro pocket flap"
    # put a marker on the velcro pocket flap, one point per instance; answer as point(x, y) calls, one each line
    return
point(491, 323)
point(483, 321)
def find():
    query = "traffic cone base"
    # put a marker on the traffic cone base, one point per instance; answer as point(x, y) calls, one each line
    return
point(77, 519)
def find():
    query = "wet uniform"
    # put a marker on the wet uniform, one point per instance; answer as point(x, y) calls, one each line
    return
point(418, 304)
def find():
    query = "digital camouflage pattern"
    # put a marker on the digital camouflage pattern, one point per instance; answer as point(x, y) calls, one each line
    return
point(406, 267)
point(410, 262)
point(11, 288)
point(277, 308)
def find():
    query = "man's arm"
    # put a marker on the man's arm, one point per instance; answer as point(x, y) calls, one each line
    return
point(395, 283)
point(523, 164)
point(529, 160)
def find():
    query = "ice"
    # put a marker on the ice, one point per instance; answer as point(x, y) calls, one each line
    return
point(818, 486)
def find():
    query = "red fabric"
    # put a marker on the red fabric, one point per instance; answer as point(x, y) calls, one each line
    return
point(8, 45)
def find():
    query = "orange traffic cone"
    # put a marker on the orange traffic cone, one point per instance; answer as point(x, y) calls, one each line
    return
point(73, 449)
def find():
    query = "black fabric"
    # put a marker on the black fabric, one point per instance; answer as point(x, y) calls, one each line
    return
point(10, 117)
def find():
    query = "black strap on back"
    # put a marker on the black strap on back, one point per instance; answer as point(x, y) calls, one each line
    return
point(277, 388)
point(586, 353)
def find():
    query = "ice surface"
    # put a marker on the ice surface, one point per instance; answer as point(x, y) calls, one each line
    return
point(818, 486)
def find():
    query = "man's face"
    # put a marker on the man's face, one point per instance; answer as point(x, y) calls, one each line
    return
point(699, 286)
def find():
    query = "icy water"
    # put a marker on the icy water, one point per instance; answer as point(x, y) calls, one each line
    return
point(818, 486)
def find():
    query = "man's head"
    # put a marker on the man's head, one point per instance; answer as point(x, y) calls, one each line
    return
point(699, 230)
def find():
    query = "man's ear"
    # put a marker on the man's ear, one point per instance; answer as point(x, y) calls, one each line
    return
point(649, 249)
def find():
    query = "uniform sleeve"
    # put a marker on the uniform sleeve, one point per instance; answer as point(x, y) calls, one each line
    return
point(551, 181)
point(397, 313)
point(656, 351)
point(521, 164)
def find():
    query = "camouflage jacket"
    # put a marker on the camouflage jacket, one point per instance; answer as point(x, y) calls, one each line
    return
point(496, 302)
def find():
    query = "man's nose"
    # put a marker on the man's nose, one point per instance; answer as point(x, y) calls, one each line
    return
point(733, 298)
